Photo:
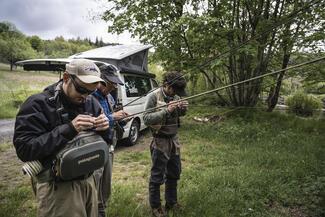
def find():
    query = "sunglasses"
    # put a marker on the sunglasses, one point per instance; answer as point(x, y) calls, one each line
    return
point(79, 88)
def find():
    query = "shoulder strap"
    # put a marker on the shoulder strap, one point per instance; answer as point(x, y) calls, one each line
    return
point(63, 117)
point(159, 102)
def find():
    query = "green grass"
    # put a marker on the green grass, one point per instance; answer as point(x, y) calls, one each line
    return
point(17, 85)
point(5, 146)
point(17, 202)
point(255, 164)
point(250, 164)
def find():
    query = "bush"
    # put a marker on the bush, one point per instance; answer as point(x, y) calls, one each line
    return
point(303, 104)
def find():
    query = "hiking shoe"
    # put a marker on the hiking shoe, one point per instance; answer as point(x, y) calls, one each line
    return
point(158, 212)
point(173, 207)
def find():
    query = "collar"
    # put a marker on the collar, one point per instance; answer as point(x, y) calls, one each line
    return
point(166, 97)
point(98, 94)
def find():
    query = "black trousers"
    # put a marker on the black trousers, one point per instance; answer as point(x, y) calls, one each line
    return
point(166, 171)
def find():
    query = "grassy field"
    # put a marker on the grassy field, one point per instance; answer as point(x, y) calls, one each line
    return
point(250, 163)
point(17, 85)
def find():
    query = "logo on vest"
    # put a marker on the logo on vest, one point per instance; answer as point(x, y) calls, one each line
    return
point(88, 159)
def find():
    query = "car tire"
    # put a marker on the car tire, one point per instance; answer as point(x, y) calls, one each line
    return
point(134, 133)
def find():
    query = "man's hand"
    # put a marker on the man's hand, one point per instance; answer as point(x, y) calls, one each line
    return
point(183, 104)
point(172, 105)
point(83, 122)
point(101, 122)
point(119, 115)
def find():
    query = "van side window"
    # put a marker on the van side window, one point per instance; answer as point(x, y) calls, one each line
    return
point(136, 86)
point(154, 83)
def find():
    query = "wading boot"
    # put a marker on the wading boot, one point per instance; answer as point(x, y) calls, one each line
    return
point(158, 212)
point(173, 207)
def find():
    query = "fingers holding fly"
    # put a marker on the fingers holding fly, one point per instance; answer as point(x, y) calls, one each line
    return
point(101, 122)
point(83, 122)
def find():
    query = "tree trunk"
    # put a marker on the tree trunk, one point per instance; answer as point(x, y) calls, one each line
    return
point(275, 91)
point(11, 64)
point(287, 49)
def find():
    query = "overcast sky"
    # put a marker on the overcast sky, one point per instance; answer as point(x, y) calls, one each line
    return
point(67, 18)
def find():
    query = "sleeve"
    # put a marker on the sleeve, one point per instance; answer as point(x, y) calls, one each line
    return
point(96, 109)
point(33, 138)
point(111, 120)
point(111, 101)
point(153, 117)
point(180, 112)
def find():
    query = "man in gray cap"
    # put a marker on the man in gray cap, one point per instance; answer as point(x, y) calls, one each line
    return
point(106, 100)
point(46, 122)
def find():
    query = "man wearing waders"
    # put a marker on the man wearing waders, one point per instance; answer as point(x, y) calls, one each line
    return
point(107, 102)
point(45, 123)
point(165, 147)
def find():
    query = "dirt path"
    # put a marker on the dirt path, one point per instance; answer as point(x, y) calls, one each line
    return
point(6, 129)
point(10, 167)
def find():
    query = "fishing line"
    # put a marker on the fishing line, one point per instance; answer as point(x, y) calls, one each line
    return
point(229, 85)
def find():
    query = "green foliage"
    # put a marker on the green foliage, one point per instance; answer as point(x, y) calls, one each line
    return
point(14, 49)
point(156, 69)
point(59, 47)
point(36, 43)
point(209, 100)
point(191, 36)
point(15, 46)
point(302, 104)
point(316, 88)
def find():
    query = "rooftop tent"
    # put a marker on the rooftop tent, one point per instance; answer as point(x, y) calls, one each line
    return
point(128, 58)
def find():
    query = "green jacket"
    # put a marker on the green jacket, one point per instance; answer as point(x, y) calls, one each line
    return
point(164, 125)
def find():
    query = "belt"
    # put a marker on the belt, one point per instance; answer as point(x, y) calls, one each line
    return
point(164, 136)
point(48, 176)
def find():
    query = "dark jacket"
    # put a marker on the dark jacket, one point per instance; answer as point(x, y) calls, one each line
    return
point(41, 130)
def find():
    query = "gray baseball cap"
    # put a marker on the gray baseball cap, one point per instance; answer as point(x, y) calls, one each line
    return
point(108, 74)
point(85, 70)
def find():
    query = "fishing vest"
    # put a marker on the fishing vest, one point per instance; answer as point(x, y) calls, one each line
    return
point(160, 102)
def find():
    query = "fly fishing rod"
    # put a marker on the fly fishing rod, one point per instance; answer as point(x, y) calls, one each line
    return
point(229, 85)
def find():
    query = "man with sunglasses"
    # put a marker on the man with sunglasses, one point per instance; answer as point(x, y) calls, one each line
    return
point(46, 122)
point(106, 100)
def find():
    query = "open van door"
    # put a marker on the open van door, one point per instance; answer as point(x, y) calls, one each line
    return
point(57, 65)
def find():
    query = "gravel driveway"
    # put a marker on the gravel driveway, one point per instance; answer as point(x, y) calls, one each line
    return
point(6, 129)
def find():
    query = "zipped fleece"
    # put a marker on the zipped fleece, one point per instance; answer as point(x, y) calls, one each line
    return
point(39, 133)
